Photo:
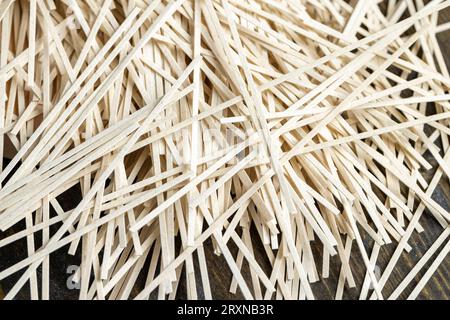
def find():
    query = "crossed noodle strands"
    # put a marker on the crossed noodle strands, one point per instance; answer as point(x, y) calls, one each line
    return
point(278, 125)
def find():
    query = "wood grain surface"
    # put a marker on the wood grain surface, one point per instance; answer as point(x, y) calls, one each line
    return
point(438, 286)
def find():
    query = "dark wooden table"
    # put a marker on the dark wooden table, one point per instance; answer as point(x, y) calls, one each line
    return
point(438, 287)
